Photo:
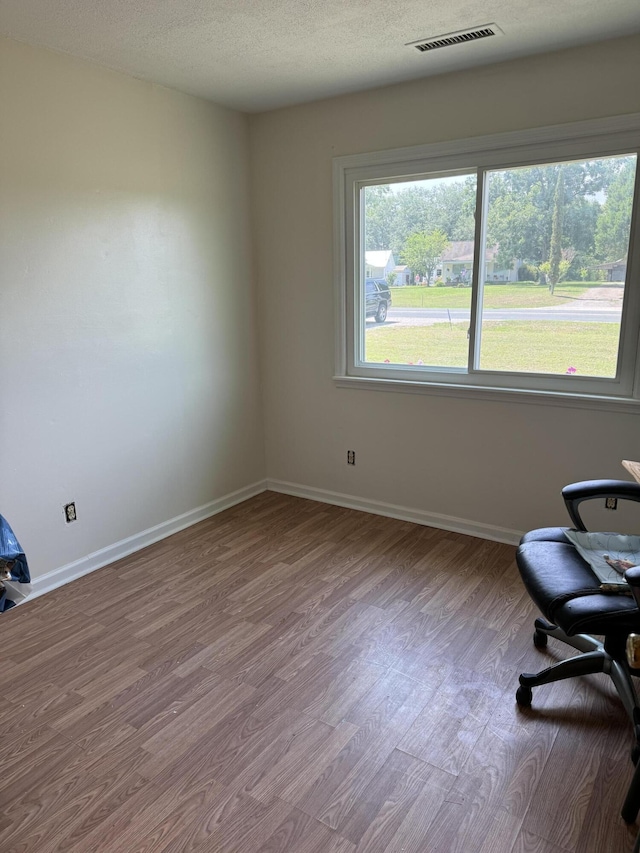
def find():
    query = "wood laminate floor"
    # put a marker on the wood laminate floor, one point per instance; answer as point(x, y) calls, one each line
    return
point(291, 676)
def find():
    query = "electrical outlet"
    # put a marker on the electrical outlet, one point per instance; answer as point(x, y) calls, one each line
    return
point(611, 503)
point(351, 457)
point(70, 512)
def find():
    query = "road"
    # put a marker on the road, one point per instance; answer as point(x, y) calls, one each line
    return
point(427, 316)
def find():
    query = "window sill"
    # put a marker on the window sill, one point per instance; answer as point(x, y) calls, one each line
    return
point(493, 394)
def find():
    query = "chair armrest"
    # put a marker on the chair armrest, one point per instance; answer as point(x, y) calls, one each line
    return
point(576, 493)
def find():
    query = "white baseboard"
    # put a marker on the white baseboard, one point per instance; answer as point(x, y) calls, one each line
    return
point(418, 516)
point(98, 559)
point(59, 577)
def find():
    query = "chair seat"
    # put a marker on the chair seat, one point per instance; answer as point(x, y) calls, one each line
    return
point(565, 588)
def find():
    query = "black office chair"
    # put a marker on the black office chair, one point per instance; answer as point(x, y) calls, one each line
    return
point(568, 593)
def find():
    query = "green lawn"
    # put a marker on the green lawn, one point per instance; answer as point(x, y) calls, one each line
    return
point(530, 347)
point(525, 294)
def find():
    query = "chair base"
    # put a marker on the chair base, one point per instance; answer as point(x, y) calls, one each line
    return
point(594, 658)
point(632, 802)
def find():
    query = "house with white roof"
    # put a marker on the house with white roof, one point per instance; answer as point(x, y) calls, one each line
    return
point(378, 264)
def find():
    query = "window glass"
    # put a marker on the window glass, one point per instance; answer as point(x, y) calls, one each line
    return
point(554, 263)
point(419, 239)
point(552, 271)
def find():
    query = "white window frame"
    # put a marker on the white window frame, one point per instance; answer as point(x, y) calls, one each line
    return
point(583, 140)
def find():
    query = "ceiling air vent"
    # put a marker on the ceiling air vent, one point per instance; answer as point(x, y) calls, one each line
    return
point(460, 37)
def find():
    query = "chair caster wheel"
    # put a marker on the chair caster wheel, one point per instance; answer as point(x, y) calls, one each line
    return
point(540, 640)
point(524, 695)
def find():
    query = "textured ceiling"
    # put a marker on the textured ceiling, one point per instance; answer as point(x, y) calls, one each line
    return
point(259, 54)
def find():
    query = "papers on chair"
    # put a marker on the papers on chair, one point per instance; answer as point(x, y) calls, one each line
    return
point(633, 468)
point(608, 554)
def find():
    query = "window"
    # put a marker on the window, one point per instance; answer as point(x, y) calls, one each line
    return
point(519, 258)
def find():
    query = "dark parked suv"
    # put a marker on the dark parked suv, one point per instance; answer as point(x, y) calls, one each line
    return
point(377, 299)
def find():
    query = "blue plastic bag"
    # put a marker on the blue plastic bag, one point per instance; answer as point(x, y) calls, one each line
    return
point(13, 564)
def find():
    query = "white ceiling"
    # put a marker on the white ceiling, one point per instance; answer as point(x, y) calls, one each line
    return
point(255, 55)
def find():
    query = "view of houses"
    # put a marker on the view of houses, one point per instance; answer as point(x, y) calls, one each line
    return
point(548, 223)
point(454, 266)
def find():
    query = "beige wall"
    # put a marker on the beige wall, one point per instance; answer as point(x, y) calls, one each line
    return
point(489, 462)
point(128, 342)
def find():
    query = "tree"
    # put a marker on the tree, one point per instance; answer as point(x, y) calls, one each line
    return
point(422, 251)
point(393, 212)
point(380, 207)
point(514, 224)
point(555, 252)
point(522, 202)
point(614, 224)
